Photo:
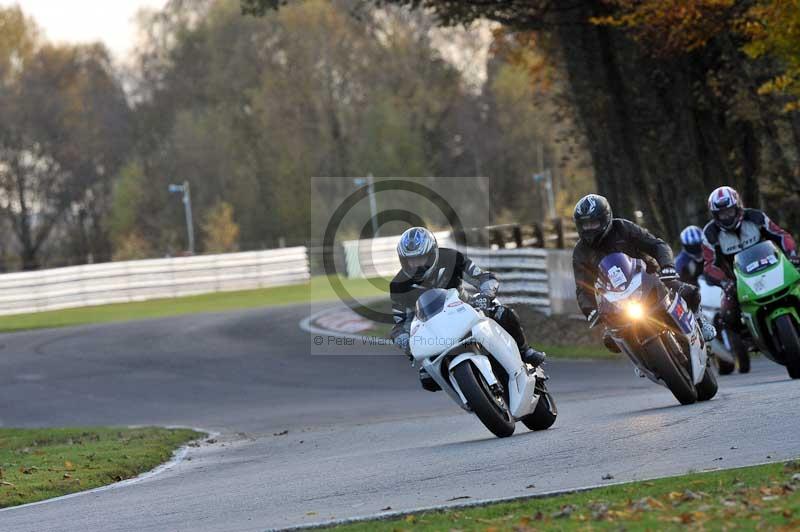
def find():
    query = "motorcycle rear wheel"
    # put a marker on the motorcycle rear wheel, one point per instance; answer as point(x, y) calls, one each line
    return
point(482, 401)
point(545, 413)
point(674, 375)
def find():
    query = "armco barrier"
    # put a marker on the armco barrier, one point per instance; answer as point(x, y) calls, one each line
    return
point(118, 282)
point(541, 278)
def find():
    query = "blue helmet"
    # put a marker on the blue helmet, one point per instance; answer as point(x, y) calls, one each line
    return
point(418, 253)
point(692, 240)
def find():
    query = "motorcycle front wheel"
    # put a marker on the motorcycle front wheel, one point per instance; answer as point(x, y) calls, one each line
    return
point(707, 388)
point(724, 367)
point(674, 375)
point(787, 336)
point(740, 351)
point(491, 410)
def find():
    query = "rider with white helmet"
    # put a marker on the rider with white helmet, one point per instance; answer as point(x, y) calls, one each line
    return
point(424, 265)
point(733, 228)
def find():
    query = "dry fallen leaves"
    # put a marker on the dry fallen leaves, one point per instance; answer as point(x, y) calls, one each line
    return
point(565, 511)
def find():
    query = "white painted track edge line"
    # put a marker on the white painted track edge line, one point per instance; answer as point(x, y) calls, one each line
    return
point(384, 516)
point(177, 457)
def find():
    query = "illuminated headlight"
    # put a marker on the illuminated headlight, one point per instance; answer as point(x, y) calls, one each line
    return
point(635, 310)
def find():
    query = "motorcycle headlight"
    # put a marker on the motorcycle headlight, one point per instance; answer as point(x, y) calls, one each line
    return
point(635, 310)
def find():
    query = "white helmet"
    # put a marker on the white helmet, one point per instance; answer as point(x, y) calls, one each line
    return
point(726, 208)
point(418, 252)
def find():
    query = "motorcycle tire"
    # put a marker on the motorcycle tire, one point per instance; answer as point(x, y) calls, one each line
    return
point(739, 351)
point(724, 367)
point(787, 336)
point(482, 401)
point(545, 413)
point(675, 376)
point(707, 388)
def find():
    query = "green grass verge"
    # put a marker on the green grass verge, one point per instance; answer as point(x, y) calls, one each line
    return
point(761, 497)
point(37, 464)
point(319, 289)
point(578, 352)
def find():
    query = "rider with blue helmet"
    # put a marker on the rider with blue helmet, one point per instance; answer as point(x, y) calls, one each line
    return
point(689, 261)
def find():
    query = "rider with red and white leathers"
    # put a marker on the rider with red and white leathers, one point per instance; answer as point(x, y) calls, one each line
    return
point(732, 229)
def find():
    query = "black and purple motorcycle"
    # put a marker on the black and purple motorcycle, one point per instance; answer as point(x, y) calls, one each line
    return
point(654, 327)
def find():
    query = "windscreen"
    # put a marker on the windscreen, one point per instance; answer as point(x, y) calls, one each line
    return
point(430, 303)
point(758, 257)
point(615, 272)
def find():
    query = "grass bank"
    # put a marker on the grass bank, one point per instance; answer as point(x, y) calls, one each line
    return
point(318, 289)
point(763, 497)
point(37, 464)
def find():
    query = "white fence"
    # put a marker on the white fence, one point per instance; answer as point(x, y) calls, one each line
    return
point(377, 257)
point(119, 282)
point(541, 278)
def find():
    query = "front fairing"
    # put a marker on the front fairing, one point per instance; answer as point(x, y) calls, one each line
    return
point(662, 312)
point(767, 293)
point(643, 288)
point(444, 330)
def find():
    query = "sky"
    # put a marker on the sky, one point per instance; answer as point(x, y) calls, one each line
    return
point(110, 21)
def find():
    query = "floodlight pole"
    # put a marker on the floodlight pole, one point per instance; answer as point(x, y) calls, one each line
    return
point(373, 206)
point(187, 208)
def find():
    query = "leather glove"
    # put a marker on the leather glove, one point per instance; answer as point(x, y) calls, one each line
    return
point(668, 273)
point(729, 288)
point(402, 341)
point(489, 288)
point(481, 302)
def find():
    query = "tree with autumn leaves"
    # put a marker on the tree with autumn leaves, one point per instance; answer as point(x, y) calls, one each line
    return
point(675, 97)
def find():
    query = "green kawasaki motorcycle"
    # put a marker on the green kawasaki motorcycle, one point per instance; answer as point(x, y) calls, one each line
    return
point(769, 295)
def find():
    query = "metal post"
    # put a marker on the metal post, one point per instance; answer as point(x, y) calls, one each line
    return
point(551, 199)
point(373, 206)
point(187, 204)
point(187, 209)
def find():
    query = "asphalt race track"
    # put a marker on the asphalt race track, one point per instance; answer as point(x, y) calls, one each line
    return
point(362, 436)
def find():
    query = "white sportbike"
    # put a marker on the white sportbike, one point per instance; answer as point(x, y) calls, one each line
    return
point(478, 364)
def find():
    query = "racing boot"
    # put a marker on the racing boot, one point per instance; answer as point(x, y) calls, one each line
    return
point(427, 381)
point(706, 328)
point(609, 342)
point(532, 356)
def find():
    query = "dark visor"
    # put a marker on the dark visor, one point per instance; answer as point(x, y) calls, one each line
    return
point(591, 225)
point(727, 214)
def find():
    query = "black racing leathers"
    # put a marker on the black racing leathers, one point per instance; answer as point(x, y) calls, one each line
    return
point(623, 237)
point(452, 269)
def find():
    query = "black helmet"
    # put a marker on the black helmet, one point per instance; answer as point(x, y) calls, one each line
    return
point(418, 253)
point(592, 218)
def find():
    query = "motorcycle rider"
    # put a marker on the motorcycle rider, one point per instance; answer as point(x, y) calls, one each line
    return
point(689, 261)
point(425, 265)
point(601, 234)
point(733, 228)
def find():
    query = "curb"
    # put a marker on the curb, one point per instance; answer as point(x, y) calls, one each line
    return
point(307, 324)
point(177, 457)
